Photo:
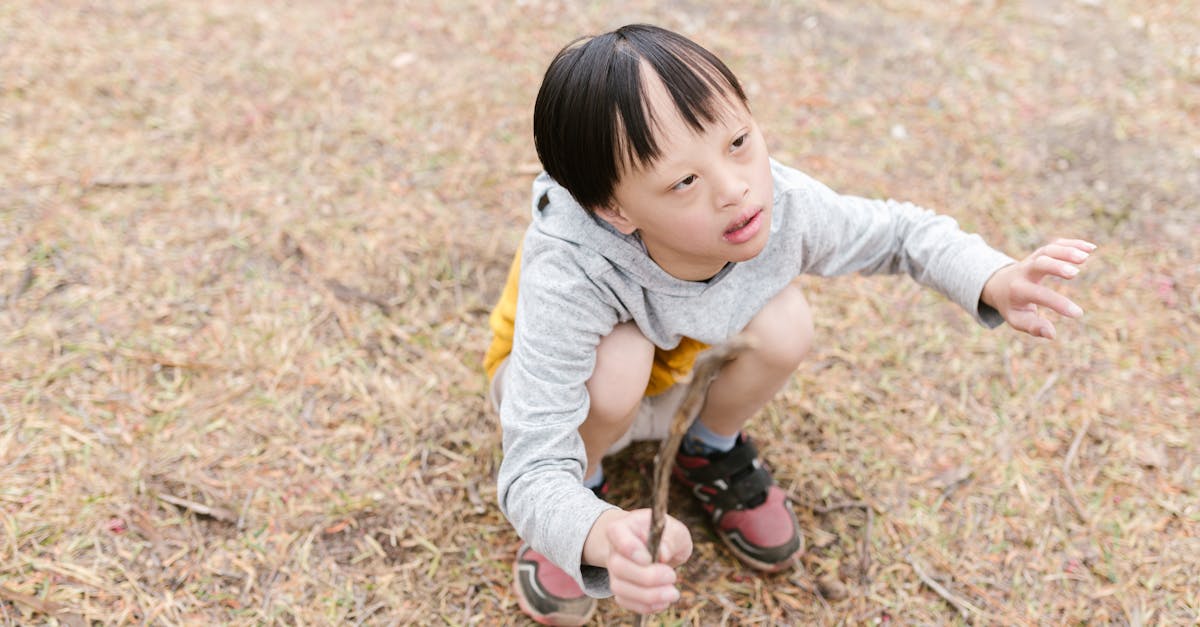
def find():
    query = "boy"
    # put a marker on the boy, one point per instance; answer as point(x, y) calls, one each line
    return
point(661, 226)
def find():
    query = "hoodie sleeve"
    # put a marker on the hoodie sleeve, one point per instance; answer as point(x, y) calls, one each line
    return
point(845, 234)
point(561, 316)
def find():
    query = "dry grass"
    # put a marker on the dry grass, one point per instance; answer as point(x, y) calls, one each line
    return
point(247, 251)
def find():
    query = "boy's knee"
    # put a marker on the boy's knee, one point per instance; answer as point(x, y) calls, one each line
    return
point(784, 329)
point(623, 361)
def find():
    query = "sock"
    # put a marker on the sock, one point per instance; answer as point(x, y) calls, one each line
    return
point(700, 440)
point(596, 480)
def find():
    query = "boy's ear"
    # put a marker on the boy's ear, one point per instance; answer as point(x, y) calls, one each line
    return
point(613, 215)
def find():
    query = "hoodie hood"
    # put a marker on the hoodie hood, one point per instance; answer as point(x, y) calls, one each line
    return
point(557, 215)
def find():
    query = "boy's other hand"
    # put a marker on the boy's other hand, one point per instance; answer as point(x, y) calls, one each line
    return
point(1016, 290)
point(638, 583)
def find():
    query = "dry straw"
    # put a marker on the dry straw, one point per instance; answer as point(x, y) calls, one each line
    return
point(247, 252)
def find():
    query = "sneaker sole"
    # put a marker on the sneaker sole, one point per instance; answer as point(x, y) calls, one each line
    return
point(556, 619)
point(759, 565)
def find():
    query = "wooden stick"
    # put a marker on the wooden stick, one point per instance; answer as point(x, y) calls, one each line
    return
point(706, 368)
point(965, 608)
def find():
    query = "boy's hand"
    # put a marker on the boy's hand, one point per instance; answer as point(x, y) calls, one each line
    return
point(1016, 290)
point(618, 542)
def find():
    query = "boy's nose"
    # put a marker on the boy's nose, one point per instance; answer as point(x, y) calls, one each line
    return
point(731, 189)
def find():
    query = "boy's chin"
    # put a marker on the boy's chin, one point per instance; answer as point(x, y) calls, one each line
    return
point(752, 250)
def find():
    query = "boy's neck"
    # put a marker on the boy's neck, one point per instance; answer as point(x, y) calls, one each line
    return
point(683, 272)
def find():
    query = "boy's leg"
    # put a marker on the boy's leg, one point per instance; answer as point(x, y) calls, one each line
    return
point(751, 514)
point(623, 361)
point(784, 333)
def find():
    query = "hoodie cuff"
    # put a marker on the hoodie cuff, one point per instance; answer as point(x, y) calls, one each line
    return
point(575, 522)
point(970, 277)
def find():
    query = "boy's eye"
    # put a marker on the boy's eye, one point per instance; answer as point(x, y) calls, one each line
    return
point(737, 143)
point(685, 183)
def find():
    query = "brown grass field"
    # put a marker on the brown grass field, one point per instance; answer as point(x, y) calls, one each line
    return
point(247, 252)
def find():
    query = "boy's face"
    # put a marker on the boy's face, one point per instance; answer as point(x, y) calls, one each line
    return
point(706, 201)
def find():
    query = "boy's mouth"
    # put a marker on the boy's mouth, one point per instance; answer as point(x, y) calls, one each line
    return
point(745, 228)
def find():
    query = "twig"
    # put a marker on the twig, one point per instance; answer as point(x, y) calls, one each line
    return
point(266, 602)
point(1050, 381)
point(1009, 375)
point(118, 183)
point(812, 589)
point(1064, 472)
point(23, 285)
point(1074, 449)
point(864, 543)
point(1038, 396)
point(864, 560)
point(44, 607)
point(348, 294)
point(825, 509)
point(217, 513)
point(706, 368)
point(965, 608)
point(241, 520)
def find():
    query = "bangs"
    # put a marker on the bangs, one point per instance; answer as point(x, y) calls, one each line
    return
point(702, 89)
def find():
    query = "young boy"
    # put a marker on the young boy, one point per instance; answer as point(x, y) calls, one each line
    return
point(661, 226)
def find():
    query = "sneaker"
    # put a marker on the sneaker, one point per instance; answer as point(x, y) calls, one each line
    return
point(545, 592)
point(750, 513)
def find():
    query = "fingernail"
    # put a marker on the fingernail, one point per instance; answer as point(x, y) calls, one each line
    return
point(1072, 270)
point(641, 557)
point(1079, 256)
point(1090, 245)
point(1075, 310)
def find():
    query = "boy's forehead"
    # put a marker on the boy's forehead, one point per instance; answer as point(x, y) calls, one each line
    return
point(666, 119)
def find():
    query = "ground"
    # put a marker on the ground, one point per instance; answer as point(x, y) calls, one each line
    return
point(247, 252)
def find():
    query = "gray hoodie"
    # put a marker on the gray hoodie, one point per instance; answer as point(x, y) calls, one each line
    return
point(580, 277)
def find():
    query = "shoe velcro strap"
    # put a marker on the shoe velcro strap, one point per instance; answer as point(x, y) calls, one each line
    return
point(740, 482)
point(744, 491)
point(726, 464)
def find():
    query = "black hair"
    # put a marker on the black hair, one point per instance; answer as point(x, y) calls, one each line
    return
point(592, 121)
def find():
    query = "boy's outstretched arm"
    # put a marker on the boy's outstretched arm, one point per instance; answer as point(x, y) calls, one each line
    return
point(1016, 290)
point(618, 542)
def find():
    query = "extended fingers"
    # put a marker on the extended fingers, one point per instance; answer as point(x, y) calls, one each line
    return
point(1033, 324)
point(1044, 265)
point(1064, 253)
point(1041, 296)
point(1078, 244)
point(1060, 259)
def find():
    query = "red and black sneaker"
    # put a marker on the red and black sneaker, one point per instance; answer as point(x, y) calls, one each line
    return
point(751, 514)
point(545, 592)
